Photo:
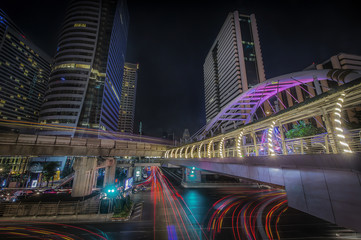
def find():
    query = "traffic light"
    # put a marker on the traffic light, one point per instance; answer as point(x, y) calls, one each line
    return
point(111, 191)
point(192, 171)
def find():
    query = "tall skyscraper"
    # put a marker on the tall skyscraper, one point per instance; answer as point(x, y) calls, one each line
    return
point(24, 73)
point(127, 105)
point(86, 79)
point(233, 64)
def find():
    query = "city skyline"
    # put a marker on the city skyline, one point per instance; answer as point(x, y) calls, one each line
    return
point(291, 40)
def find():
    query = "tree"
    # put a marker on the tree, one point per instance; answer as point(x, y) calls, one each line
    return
point(4, 169)
point(4, 173)
point(49, 170)
point(303, 129)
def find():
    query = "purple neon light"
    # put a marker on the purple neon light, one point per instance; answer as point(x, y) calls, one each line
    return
point(270, 87)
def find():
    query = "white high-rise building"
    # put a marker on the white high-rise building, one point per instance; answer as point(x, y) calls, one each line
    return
point(127, 99)
point(234, 63)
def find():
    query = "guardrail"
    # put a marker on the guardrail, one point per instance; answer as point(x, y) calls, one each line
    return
point(34, 209)
point(70, 141)
point(317, 144)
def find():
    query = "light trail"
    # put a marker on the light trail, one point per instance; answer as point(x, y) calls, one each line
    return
point(247, 213)
point(25, 230)
point(178, 219)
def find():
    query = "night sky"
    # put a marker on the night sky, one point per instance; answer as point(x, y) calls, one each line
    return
point(171, 39)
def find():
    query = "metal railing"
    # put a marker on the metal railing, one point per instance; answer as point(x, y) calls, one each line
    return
point(34, 209)
point(317, 144)
point(10, 138)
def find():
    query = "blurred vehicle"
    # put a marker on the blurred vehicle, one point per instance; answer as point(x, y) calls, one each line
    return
point(50, 191)
point(65, 191)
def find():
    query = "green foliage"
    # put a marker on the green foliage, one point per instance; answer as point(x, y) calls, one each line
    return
point(354, 125)
point(49, 170)
point(303, 129)
point(5, 169)
point(123, 208)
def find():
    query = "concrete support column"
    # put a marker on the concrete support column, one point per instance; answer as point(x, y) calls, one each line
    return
point(84, 168)
point(96, 174)
point(109, 175)
point(130, 172)
point(138, 174)
point(191, 176)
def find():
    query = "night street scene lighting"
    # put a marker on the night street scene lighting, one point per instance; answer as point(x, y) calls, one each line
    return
point(234, 119)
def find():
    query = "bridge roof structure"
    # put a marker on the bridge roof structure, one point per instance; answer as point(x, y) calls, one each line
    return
point(242, 108)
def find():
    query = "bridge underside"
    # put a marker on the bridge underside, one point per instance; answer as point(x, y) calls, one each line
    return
point(38, 145)
point(326, 186)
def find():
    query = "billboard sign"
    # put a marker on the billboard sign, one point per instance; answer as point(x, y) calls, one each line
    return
point(128, 183)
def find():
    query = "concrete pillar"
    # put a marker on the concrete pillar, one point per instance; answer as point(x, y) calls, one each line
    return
point(109, 175)
point(130, 172)
point(191, 176)
point(96, 174)
point(83, 182)
point(138, 178)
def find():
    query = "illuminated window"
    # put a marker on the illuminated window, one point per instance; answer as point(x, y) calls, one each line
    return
point(82, 66)
point(71, 65)
point(79, 25)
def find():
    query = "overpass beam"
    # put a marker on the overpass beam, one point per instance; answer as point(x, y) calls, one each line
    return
point(84, 177)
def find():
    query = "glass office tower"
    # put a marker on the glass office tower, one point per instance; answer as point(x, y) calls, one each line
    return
point(86, 79)
point(24, 73)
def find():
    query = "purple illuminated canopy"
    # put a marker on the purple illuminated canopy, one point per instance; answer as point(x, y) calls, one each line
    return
point(242, 108)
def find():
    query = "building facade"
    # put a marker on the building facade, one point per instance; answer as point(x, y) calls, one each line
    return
point(234, 63)
point(128, 97)
point(295, 95)
point(86, 79)
point(24, 73)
